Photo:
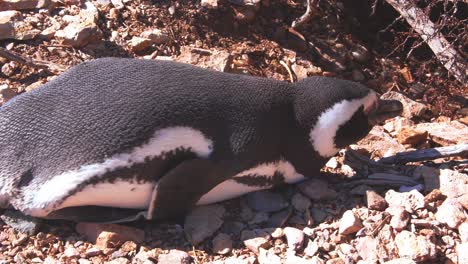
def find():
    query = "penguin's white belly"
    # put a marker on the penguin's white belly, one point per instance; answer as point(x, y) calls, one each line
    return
point(122, 194)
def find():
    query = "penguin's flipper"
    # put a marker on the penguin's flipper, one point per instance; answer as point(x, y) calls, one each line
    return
point(97, 214)
point(180, 189)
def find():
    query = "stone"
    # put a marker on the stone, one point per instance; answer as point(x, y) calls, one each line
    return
point(202, 222)
point(451, 213)
point(218, 60)
point(233, 227)
point(375, 201)
point(300, 71)
point(318, 215)
point(413, 247)
point(20, 222)
point(411, 108)
point(156, 36)
point(260, 217)
point(71, 252)
point(174, 257)
point(332, 163)
point(255, 239)
point(23, 4)
point(462, 253)
point(300, 202)
point(367, 249)
point(445, 133)
point(6, 93)
point(209, 3)
point(358, 75)
point(349, 223)
point(79, 34)
point(452, 184)
point(129, 247)
point(109, 235)
point(335, 261)
point(295, 238)
point(146, 257)
point(268, 257)
point(311, 248)
point(266, 201)
point(463, 231)
point(139, 44)
point(361, 190)
point(80, 261)
point(412, 136)
point(274, 232)
point(120, 260)
point(361, 54)
point(317, 190)
point(93, 252)
point(400, 218)
point(400, 261)
point(7, 23)
point(222, 244)
point(293, 259)
point(118, 4)
point(380, 144)
point(280, 218)
point(411, 201)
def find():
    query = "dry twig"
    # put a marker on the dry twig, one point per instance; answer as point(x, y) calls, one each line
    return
point(310, 12)
point(48, 66)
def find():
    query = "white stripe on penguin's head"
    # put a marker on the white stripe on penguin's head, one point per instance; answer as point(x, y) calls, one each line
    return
point(323, 133)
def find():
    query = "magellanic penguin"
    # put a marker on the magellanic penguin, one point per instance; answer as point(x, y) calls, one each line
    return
point(113, 139)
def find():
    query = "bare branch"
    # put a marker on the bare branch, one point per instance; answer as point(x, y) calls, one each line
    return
point(426, 154)
point(51, 67)
point(310, 12)
point(426, 29)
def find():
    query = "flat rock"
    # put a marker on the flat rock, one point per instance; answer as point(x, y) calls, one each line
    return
point(202, 222)
point(156, 36)
point(451, 213)
point(409, 200)
point(109, 235)
point(349, 223)
point(12, 26)
point(463, 231)
point(380, 144)
point(375, 201)
point(255, 239)
point(411, 108)
point(79, 34)
point(23, 4)
point(174, 257)
point(452, 184)
point(317, 190)
point(211, 59)
point(446, 133)
point(21, 222)
point(462, 253)
point(222, 244)
point(412, 136)
point(413, 247)
point(137, 44)
point(300, 202)
point(268, 257)
point(266, 201)
point(400, 218)
point(295, 238)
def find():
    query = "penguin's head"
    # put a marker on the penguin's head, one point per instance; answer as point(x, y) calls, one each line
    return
point(337, 113)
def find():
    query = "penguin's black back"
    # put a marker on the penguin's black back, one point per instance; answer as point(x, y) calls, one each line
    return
point(108, 106)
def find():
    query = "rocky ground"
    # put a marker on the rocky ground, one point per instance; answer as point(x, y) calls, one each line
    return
point(355, 211)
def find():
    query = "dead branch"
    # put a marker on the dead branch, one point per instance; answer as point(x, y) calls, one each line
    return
point(442, 49)
point(48, 66)
point(426, 154)
point(310, 12)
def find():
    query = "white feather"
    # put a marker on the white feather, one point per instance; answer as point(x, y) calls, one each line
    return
point(42, 197)
point(323, 133)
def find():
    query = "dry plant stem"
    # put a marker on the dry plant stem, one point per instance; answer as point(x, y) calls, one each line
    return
point(51, 67)
point(310, 12)
point(442, 49)
point(426, 154)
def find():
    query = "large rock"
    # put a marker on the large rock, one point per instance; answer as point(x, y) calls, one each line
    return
point(413, 247)
point(211, 59)
point(317, 190)
point(411, 201)
point(380, 144)
point(451, 213)
point(446, 133)
point(23, 4)
point(12, 26)
point(266, 201)
point(411, 108)
point(349, 223)
point(202, 222)
point(452, 184)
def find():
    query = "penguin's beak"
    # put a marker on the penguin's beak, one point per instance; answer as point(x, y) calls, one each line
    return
point(383, 110)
